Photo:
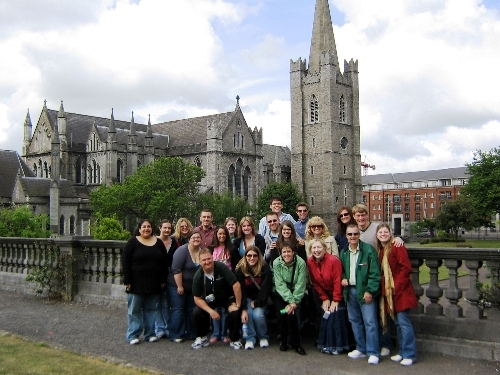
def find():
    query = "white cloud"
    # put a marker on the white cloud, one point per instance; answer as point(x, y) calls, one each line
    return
point(272, 122)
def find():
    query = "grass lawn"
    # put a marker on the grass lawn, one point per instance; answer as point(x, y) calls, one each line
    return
point(443, 274)
point(18, 356)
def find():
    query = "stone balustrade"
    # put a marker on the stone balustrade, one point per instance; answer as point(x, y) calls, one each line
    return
point(448, 318)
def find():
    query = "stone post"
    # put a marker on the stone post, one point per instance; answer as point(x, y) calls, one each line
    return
point(72, 250)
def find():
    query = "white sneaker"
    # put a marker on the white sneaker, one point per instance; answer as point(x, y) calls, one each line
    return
point(236, 345)
point(264, 343)
point(384, 352)
point(396, 358)
point(179, 340)
point(355, 354)
point(248, 345)
point(407, 362)
point(153, 339)
point(134, 341)
point(373, 360)
point(200, 343)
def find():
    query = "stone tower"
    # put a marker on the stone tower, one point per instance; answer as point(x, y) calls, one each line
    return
point(326, 161)
point(112, 152)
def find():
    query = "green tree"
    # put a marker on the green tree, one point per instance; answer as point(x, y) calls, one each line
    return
point(287, 191)
point(19, 221)
point(457, 214)
point(425, 223)
point(484, 182)
point(108, 228)
point(223, 206)
point(167, 188)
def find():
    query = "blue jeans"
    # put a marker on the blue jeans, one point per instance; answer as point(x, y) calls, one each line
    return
point(220, 326)
point(406, 336)
point(257, 328)
point(141, 314)
point(181, 314)
point(161, 324)
point(363, 318)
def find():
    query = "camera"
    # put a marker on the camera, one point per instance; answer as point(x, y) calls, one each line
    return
point(210, 298)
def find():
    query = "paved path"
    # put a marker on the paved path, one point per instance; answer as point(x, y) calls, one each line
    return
point(100, 331)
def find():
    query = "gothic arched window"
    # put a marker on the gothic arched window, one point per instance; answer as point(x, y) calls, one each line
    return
point(230, 180)
point(45, 169)
point(72, 225)
point(246, 183)
point(342, 109)
point(119, 170)
point(79, 171)
point(314, 109)
point(35, 170)
point(61, 225)
point(238, 177)
point(197, 161)
point(40, 167)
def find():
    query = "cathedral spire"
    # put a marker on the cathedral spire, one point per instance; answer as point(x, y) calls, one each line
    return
point(132, 125)
point(61, 113)
point(149, 130)
point(112, 128)
point(322, 40)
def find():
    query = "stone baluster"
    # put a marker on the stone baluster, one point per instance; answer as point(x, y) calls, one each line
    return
point(453, 292)
point(106, 266)
point(95, 264)
point(434, 291)
point(9, 257)
point(419, 291)
point(472, 295)
point(493, 313)
point(118, 269)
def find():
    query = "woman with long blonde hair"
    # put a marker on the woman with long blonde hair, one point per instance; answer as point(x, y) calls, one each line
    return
point(316, 229)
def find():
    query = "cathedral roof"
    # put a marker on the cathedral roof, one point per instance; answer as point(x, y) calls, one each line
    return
point(191, 130)
point(40, 187)
point(10, 165)
point(279, 156)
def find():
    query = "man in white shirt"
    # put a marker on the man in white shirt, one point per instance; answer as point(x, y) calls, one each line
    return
point(276, 205)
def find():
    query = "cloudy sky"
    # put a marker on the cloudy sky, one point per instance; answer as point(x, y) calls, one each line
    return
point(429, 76)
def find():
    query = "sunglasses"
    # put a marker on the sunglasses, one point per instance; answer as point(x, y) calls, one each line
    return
point(344, 215)
point(272, 221)
point(301, 210)
point(252, 256)
point(352, 234)
point(317, 226)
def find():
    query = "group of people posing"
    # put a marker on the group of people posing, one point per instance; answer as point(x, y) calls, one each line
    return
point(229, 277)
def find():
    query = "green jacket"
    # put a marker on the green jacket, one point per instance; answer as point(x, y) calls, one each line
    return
point(368, 275)
point(283, 276)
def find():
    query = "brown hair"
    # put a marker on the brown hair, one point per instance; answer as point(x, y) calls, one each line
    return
point(341, 227)
point(244, 266)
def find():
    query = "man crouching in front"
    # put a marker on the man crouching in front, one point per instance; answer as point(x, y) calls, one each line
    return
point(214, 285)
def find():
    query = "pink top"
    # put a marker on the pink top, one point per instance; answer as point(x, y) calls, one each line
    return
point(221, 256)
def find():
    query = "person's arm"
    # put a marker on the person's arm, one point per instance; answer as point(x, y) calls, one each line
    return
point(313, 275)
point(280, 283)
point(202, 304)
point(374, 275)
point(337, 277)
point(265, 287)
point(262, 226)
point(398, 242)
point(237, 296)
point(127, 256)
point(300, 280)
point(405, 269)
point(241, 278)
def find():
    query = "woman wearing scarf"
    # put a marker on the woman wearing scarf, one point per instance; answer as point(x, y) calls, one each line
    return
point(398, 296)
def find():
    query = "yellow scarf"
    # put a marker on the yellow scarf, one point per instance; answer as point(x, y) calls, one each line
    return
point(389, 290)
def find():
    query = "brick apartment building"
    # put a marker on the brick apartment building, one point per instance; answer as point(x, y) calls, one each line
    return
point(404, 198)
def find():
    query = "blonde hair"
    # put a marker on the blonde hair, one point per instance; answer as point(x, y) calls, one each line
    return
point(250, 222)
point(359, 208)
point(177, 233)
point(316, 220)
point(321, 241)
point(243, 264)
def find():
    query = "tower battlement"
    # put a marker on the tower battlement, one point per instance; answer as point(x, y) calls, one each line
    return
point(298, 65)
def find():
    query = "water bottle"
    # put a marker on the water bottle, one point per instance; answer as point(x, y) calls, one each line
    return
point(284, 311)
point(244, 330)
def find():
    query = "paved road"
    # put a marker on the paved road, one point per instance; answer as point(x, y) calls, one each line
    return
point(100, 331)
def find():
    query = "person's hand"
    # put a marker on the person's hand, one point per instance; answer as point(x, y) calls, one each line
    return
point(325, 305)
point(334, 306)
point(272, 245)
point(398, 242)
point(345, 282)
point(252, 304)
point(244, 316)
point(128, 287)
point(180, 290)
point(232, 307)
point(214, 315)
point(301, 241)
point(291, 308)
point(368, 298)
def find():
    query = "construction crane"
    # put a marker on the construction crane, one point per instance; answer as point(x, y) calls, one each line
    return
point(365, 166)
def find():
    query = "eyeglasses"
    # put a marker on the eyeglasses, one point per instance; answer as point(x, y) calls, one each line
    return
point(183, 226)
point(302, 210)
point(344, 215)
point(352, 234)
point(272, 221)
point(252, 256)
point(317, 226)
point(286, 230)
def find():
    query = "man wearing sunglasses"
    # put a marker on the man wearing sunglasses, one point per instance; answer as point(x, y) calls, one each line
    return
point(302, 211)
point(272, 233)
point(361, 282)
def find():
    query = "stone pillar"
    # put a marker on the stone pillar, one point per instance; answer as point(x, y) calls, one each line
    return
point(453, 293)
point(72, 250)
point(419, 291)
point(472, 295)
point(434, 291)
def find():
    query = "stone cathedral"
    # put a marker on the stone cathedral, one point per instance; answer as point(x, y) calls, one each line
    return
point(325, 123)
point(74, 153)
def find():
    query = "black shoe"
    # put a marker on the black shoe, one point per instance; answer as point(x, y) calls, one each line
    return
point(283, 347)
point(299, 349)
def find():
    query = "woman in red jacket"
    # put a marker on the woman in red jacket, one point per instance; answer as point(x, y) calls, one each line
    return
point(325, 272)
point(398, 296)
